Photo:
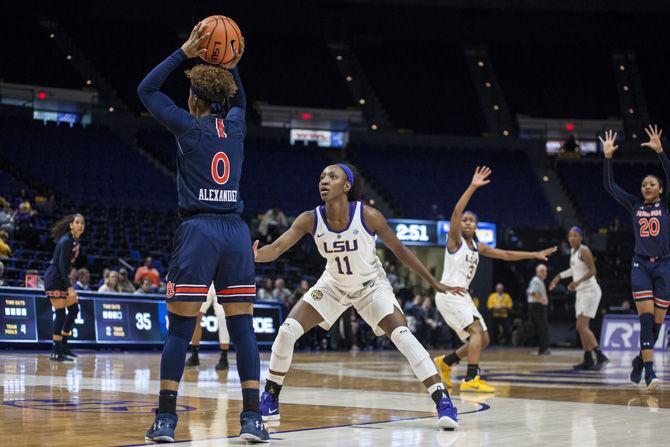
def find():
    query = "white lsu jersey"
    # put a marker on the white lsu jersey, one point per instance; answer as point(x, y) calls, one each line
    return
point(580, 269)
point(351, 254)
point(460, 267)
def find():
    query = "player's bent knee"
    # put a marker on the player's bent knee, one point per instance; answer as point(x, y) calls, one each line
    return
point(416, 354)
point(289, 333)
point(181, 326)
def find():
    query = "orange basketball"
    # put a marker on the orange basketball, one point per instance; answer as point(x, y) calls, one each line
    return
point(225, 40)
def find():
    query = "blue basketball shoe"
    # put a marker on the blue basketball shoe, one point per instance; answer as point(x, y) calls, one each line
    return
point(636, 373)
point(447, 414)
point(163, 428)
point(269, 407)
point(252, 427)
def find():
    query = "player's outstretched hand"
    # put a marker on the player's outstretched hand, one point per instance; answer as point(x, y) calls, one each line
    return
point(544, 254)
point(654, 134)
point(191, 47)
point(481, 176)
point(608, 143)
point(442, 288)
point(554, 282)
point(255, 247)
point(239, 51)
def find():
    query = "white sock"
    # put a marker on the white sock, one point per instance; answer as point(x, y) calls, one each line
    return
point(434, 387)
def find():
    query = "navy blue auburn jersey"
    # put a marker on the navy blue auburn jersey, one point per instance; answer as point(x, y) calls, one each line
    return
point(209, 166)
point(651, 221)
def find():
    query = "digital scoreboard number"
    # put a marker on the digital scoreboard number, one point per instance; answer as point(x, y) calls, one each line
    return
point(433, 233)
point(120, 321)
point(17, 318)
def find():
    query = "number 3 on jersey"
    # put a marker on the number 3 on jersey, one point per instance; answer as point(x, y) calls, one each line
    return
point(345, 260)
point(649, 227)
point(220, 157)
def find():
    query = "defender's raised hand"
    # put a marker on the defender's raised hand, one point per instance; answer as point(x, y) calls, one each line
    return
point(608, 143)
point(654, 134)
point(481, 176)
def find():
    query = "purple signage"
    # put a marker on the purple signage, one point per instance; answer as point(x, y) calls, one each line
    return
point(622, 333)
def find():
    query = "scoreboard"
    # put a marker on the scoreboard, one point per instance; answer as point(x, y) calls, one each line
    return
point(432, 233)
point(26, 316)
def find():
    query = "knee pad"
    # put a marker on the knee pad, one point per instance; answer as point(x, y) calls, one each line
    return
point(59, 319)
point(289, 333)
point(416, 354)
point(646, 331)
point(181, 327)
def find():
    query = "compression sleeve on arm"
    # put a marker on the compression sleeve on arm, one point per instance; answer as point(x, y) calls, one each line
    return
point(238, 103)
point(625, 199)
point(176, 119)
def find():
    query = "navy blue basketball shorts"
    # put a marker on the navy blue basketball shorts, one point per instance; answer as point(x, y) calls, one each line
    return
point(54, 287)
point(212, 247)
point(650, 280)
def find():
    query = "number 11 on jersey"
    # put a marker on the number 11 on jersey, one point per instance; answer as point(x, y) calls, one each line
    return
point(346, 263)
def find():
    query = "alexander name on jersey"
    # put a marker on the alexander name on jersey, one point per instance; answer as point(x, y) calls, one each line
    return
point(217, 195)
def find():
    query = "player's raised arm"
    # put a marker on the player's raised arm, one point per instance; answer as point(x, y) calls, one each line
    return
point(478, 179)
point(511, 255)
point(654, 134)
point(378, 225)
point(300, 227)
point(609, 148)
point(238, 102)
point(176, 119)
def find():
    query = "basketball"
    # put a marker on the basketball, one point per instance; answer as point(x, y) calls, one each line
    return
point(225, 40)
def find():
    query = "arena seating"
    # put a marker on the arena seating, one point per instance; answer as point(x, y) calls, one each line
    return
point(433, 81)
point(439, 176)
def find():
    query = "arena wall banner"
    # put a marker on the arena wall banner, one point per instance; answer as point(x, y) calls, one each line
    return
point(621, 332)
point(26, 317)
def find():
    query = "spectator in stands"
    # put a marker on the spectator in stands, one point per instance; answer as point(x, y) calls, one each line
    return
point(2, 273)
point(24, 224)
point(299, 292)
point(103, 278)
point(112, 283)
point(5, 249)
point(280, 293)
point(74, 273)
point(499, 304)
point(272, 224)
point(146, 287)
point(6, 216)
point(391, 275)
point(83, 280)
point(147, 271)
point(616, 225)
point(264, 292)
point(125, 285)
point(21, 198)
point(430, 321)
point(538, 308)
point(435, 213)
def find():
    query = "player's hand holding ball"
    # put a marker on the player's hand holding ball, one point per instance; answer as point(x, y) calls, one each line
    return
point(224, 45)
point(193, 46)
point(608, 143)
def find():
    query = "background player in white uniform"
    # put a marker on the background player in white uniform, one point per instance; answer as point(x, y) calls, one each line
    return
point(583, 273)
point(224, 337)
point(343, 231)
point(460, 265)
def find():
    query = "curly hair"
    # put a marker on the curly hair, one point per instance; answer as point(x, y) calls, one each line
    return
point(62, 226)
point(216, 83)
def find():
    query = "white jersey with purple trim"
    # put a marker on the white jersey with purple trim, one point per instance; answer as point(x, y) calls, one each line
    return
point(351, 255)
point(461, 266)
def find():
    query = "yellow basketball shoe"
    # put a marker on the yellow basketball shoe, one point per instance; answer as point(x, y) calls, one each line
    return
point(477, 385)
point(444, 370)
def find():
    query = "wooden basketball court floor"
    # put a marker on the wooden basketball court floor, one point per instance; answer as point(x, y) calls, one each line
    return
point(333, 399)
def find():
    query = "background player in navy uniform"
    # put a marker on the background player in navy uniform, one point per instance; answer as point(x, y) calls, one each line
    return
point(212, 243)
point(650, 269)
point(344, 231)
point(57, 287)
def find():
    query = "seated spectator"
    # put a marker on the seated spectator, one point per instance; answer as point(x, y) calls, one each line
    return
point(280, 293)
point(33, 280)
point(272, 224)
point(103, 278)
point(125, 285)
point(21, 197)
point(24, 225)
point(429, 322)
point(5, 249)
point(264, 292)
point(83, 280)
point(299, 292)
point(146, 287)
point(2, 273)
point(112, 283)
point(6, 216)
point(499, 304)
point(147, 271)
point(391, 276)
point(73, 275)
